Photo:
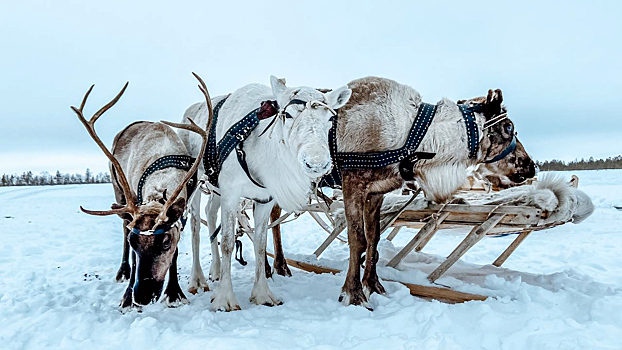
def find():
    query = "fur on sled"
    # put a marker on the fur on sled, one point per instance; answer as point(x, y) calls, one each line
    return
point(563, 202)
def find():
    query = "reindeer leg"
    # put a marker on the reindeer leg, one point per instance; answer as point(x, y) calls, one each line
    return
point(261, 294)
point(223, 298)
point(173, 296)
point(371, 283)
point(127, 301)
point(280, 266)
point(211, 212)
point(124, 271)
point(354, 197)
point(197, 278)
point(268, 269)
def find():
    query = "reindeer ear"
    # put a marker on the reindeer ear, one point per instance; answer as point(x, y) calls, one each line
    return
point(495, 97)
point(176, 210)
point(278, 86)
point(339, 97)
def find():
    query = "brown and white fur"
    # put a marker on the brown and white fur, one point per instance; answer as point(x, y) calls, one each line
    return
point(136, 147)
point(134, 150)
point(513, 170)
point(378, 117)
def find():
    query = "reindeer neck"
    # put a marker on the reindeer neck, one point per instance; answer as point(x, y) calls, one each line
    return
point(279, 171)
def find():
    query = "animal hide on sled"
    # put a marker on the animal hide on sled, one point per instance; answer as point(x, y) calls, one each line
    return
point(553, 195)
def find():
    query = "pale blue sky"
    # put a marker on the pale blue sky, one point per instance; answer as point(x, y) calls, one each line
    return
point(558, 64)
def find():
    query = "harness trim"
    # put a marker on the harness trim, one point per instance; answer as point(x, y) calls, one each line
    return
point(234, 138)
point(468, 115)
point(377, 160)
point(509, 149)
point(172, 161)
point(162, 230)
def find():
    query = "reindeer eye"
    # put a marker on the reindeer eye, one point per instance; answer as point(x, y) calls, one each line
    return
point(166, 242)
point(509, 128)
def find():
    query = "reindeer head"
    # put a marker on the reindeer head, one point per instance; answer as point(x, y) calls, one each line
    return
point(499, 139)
point(154, 249)
point(155, 226)
point(306, 114)
point(512, 170)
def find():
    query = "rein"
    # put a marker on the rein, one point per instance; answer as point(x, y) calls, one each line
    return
point(509, 149)
point(181, 224)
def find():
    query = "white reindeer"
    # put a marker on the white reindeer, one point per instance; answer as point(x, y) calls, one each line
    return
point(286, 160)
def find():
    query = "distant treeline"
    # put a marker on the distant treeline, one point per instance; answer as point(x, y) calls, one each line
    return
point(590, 164)
point(45, 178)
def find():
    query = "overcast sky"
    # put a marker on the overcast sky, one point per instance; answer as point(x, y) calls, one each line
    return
point(558, 64)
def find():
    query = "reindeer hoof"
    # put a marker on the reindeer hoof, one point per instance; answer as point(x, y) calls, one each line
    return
point(262, 295)
point(175, 301)
point(224, 302)
point(196, 284)
point(354, 297)
point(124, 273)
point(282, 269)
point(126, 301)
point(266, 299)
point(373, 285)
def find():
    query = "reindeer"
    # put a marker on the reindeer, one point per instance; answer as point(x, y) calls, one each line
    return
point(285, 157)
point(377, 118)
point(151, 227)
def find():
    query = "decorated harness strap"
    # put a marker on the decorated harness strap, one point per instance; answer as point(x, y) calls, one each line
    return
point(172, 161)
point(234, 138)
point(468, 115)
point(406, 155)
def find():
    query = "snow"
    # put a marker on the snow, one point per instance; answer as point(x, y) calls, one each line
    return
point(562, 288)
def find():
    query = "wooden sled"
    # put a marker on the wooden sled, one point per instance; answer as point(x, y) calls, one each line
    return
point(482, 219)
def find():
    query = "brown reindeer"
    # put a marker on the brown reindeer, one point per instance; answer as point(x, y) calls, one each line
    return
point(151, 228)
point(377, 118)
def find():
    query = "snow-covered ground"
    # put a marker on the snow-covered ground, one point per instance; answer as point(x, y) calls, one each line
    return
point(57, 289)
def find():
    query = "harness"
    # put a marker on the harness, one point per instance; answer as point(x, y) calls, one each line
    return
point(406, 155)
point(509, 149)
point(473, 133)
point(468, 115)
point(234, 138)
point(172, 161)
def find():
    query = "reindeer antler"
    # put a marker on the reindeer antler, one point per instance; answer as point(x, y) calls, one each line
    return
point(130, 196)
point(194, 128)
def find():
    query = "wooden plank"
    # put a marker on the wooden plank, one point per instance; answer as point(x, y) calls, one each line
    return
point(429, 229)
point(341, 225)
point(307, 267)
point(321, 222)
point(427, 292)
point(500, 228)
point(469, 241)
point(506, 254)
point(394, 216)
point(394, 232)
point(468, 208)
point(518, 219)
point(441, 294)
point(424, 241)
